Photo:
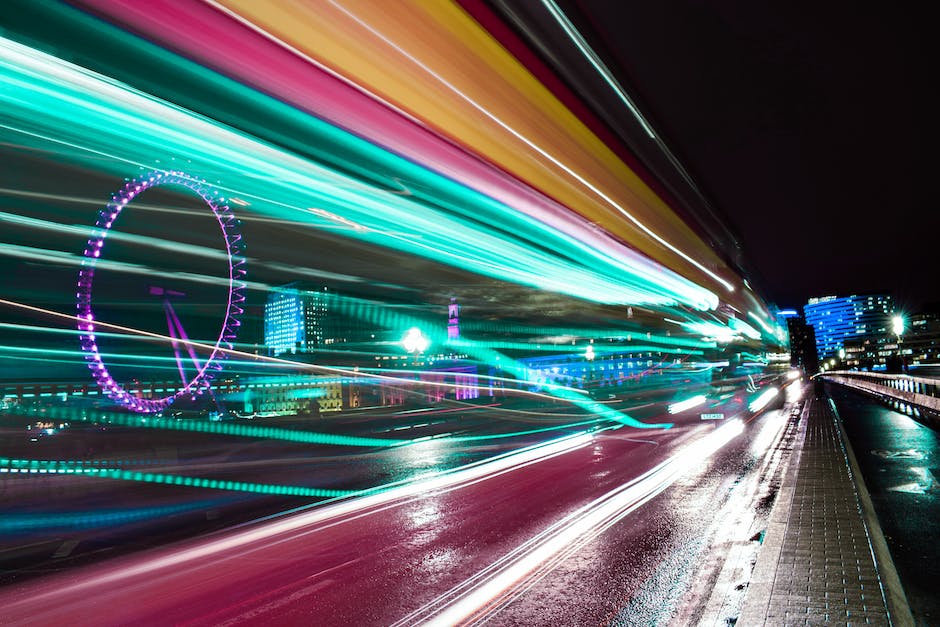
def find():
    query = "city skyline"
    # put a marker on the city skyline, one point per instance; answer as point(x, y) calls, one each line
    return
point(465, 311)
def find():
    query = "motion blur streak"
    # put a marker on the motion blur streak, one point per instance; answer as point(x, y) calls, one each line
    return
point(64, 467)
point(478, 350)
point(557, 162)
point(105, 117)
point(330, 515)
point(483, 98)
point(599, 65)
point(688, 403)
point(16, 523)
point(763, 399)
point(281, 70)
point(471, 599)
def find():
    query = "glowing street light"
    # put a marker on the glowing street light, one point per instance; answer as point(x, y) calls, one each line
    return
point(897, 325)
point(415, 341)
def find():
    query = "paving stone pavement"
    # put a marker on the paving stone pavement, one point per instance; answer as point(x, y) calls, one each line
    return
point(817, 565)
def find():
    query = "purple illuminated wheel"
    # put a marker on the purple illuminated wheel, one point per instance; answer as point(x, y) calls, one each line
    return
point(205, 370)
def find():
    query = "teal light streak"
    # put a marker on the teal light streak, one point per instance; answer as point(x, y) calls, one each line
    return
point(33, 466)
point(18, 523)
point(67, 105)
point(219, 428)
point(627, 334)
point(600, 350)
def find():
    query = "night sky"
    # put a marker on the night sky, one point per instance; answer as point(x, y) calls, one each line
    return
point(805, 126)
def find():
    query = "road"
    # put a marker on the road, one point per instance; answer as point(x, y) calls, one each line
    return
point(619, 525)
point(96, 517)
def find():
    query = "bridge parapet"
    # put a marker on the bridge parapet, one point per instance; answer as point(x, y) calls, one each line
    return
point(919, 391)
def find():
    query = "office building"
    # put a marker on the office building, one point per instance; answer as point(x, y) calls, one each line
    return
point(302, 319)
point(855, 318)
point(920, 343)
point(294, 319)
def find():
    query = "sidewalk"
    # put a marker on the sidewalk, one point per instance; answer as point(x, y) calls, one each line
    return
point(824, 559)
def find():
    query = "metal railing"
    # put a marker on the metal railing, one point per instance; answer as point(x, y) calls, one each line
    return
point(920, 391)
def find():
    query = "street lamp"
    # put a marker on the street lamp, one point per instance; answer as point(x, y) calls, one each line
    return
point(897, 327)
point(415, 341)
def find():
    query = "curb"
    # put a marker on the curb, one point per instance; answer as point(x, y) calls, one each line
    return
point(756, 601)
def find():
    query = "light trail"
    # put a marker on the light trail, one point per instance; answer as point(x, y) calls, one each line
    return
point(712, 302)
point(688, 403)
point(20, 523)
point(269, 533)
point(66, 467)
point(621, 93)
point(763, 399)
point(474, 599)
point(599, 65)
point(107, 118)
point(219, 428)
point(372, 122)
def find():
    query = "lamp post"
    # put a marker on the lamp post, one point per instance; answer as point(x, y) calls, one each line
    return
point(897, 327)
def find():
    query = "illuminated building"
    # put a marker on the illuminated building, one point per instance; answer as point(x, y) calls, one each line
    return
point(296, 395)
point(300, 319)
point(294, 319)
point(453, 320)
point(921, 346)
point(854, 318)
point(609, 369)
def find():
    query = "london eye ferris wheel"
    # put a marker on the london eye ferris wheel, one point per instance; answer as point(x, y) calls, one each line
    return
point(198, 371)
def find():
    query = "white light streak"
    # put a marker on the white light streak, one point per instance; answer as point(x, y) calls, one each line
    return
point(761, 401)
point(599, 65)
point(688, 403)
point(474, 596)
point(337, 513)
point(712, 299)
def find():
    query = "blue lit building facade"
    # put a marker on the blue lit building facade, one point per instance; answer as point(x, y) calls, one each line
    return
point(836, 320)
point(294, 319)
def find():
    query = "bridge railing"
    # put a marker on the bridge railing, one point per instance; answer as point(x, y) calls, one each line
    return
point(920, 391)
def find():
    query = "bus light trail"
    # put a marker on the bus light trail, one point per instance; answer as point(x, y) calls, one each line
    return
point(342, 510)
point(471, 600)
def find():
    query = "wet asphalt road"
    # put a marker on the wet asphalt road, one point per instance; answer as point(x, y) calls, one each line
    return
point(900, 462)
point(378, 565)
point(54, 522)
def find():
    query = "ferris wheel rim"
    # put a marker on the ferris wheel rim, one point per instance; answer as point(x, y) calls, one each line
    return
point(228, 225)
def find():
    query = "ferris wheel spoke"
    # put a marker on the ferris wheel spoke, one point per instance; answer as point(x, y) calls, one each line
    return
point(171, 330)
